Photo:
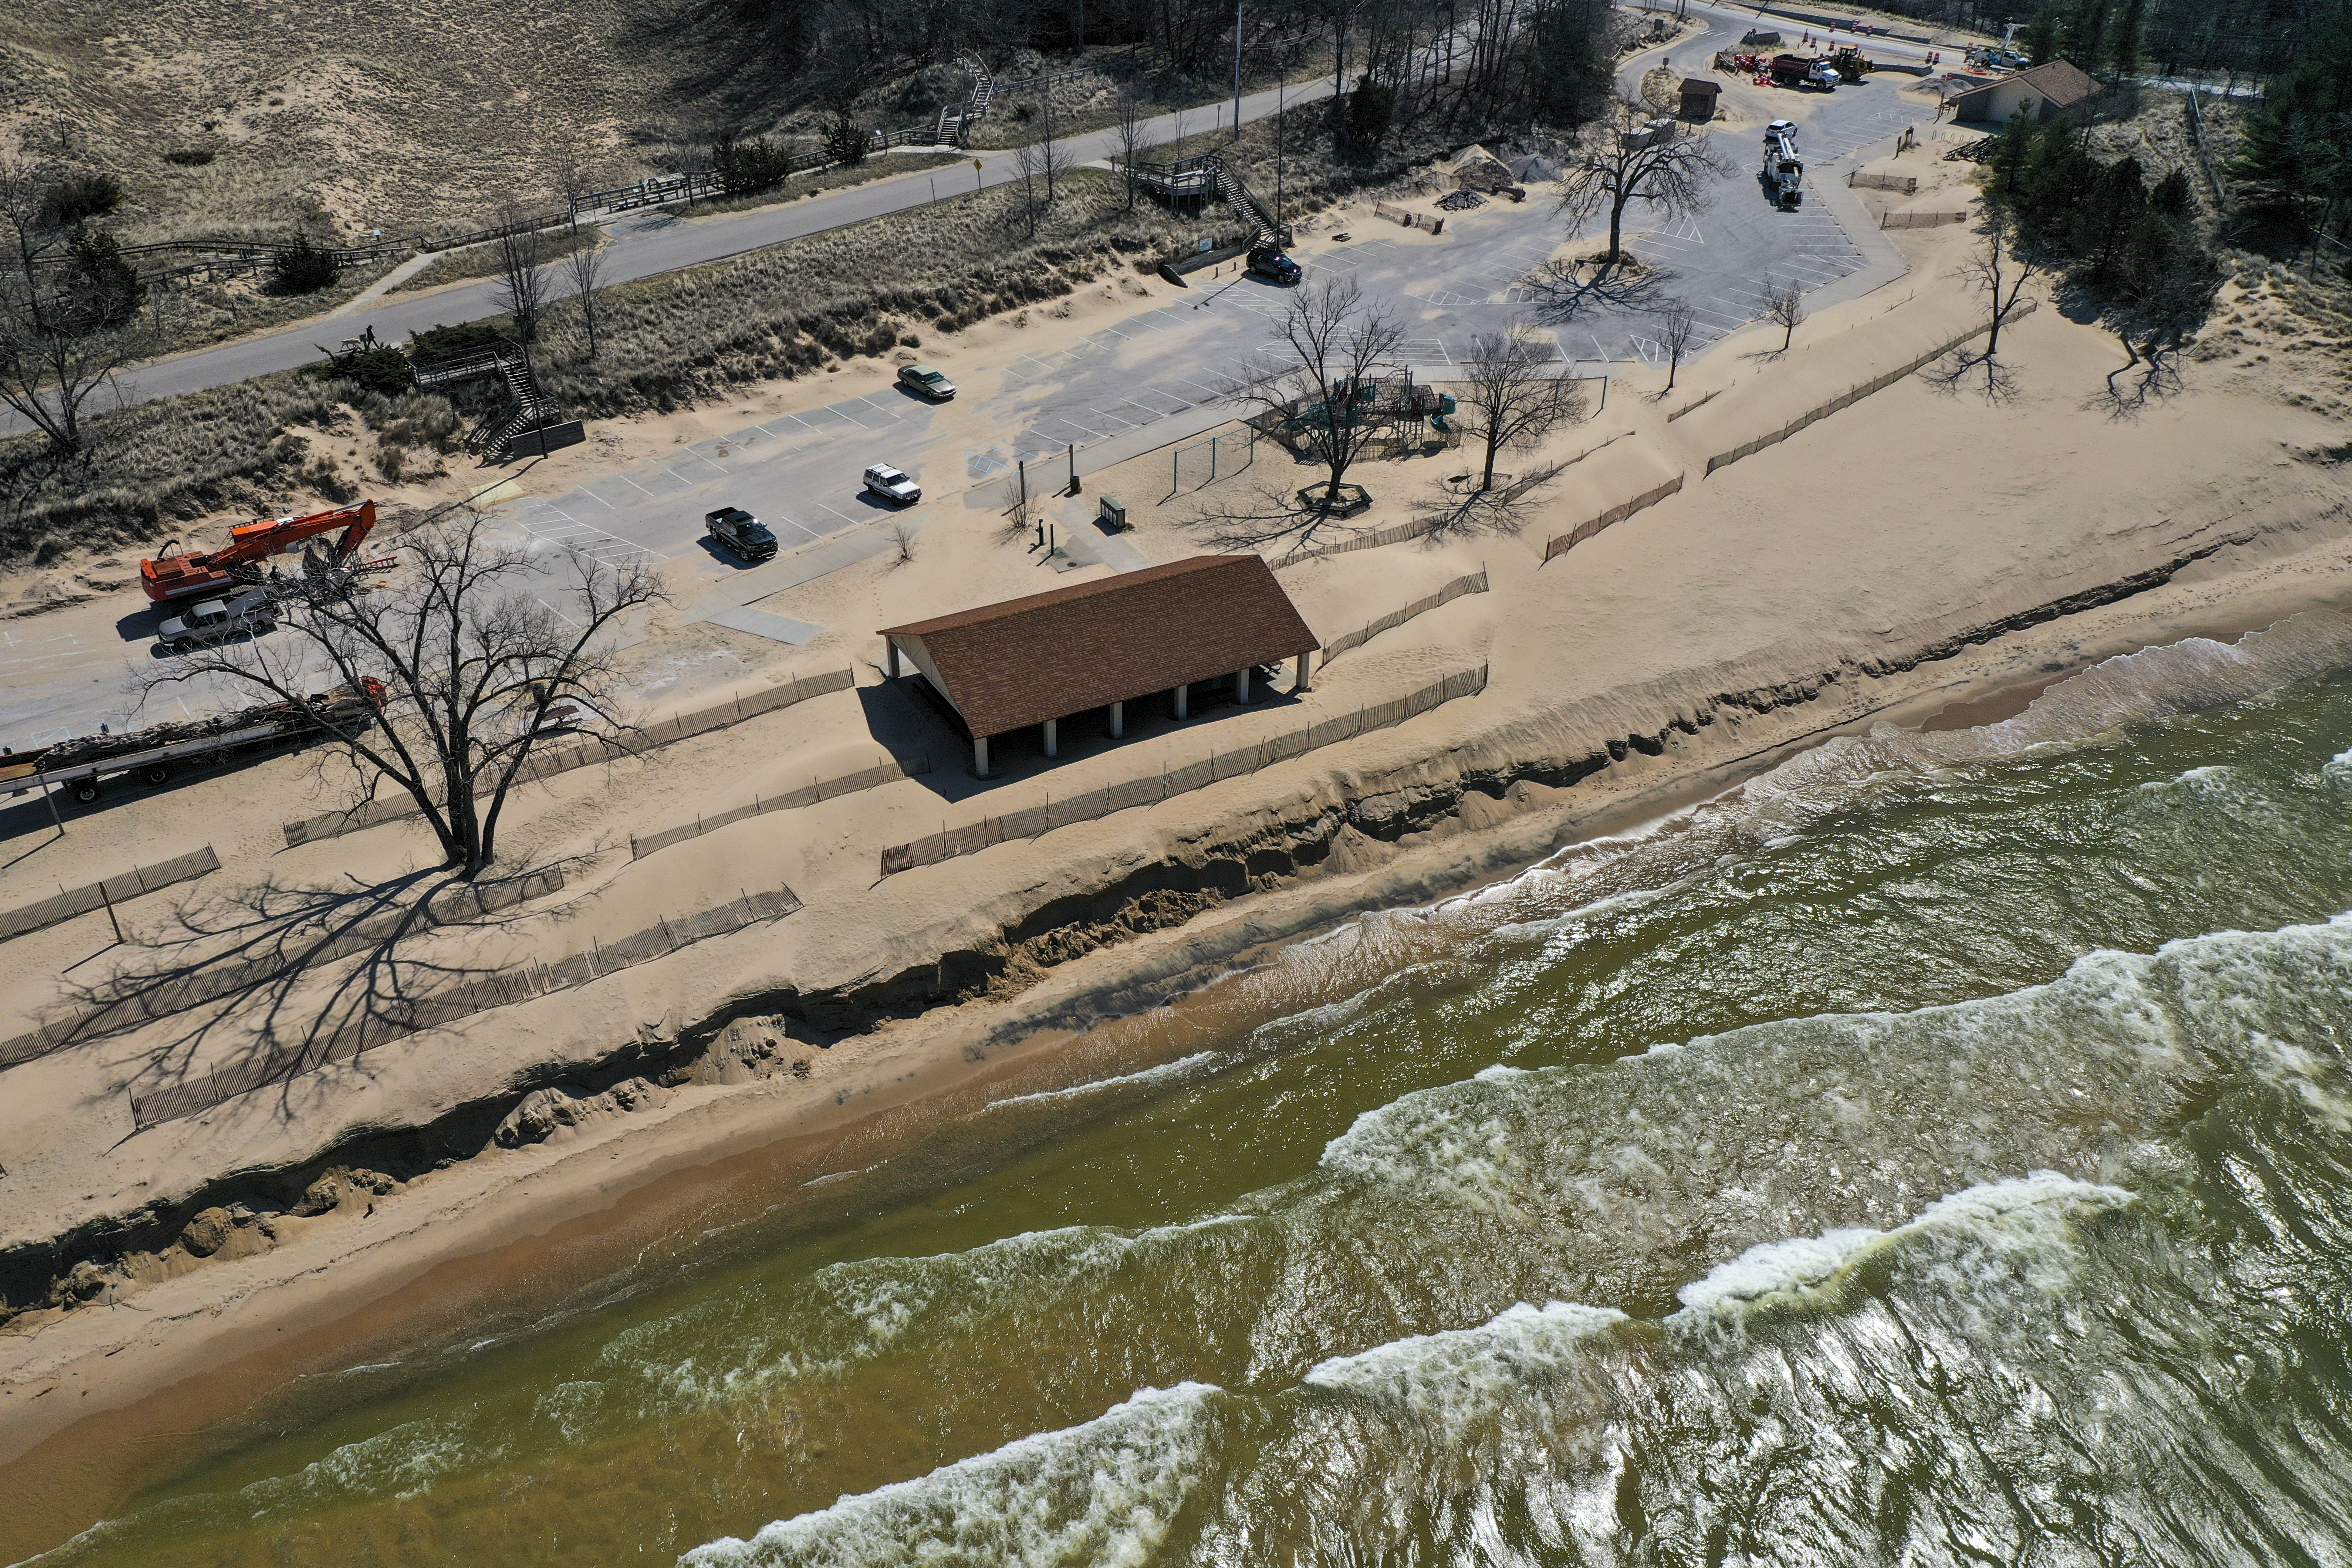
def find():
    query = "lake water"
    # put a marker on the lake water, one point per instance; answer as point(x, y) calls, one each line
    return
point(1934, 1153)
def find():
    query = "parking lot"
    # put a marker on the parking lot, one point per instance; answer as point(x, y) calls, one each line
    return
point(73, 669)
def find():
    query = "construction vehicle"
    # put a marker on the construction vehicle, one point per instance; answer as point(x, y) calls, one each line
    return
point(1851, 63)
point(1784, 172)
point(84, 763)
point(173, 576)
point(1802, 71)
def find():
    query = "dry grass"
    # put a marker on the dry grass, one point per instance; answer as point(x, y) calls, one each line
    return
point(230, 449)
point(194, 312)
point(840, 176)
point(482, 260)
point(792, 309)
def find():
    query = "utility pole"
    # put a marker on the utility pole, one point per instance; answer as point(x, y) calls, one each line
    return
point(1237, 70)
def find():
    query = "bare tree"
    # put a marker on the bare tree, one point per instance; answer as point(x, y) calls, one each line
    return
point(63, 333)
point(1054, 155)
point(521, 285)
point(1131, 135)
point(1623, 157)
point(475, 649)
point(1028, 168)
point(1784, 306)
point(2001, 274)
point(1317, 385)
point(1677, 324)
point(583, 271)
point(1515, 396)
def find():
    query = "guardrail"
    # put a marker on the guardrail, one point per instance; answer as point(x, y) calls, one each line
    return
point(1150, 790)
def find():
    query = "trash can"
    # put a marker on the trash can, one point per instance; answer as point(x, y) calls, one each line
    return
point(1113, 516)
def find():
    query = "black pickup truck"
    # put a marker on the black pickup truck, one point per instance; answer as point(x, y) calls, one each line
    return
point(742, 532)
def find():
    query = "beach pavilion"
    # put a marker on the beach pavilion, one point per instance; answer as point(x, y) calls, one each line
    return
point(1103, 645)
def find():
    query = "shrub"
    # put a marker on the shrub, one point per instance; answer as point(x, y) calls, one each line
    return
point(384, 372)
point(746, 166)
point(303, 268)
point(104, 276)
point(81, 197)
point(441, 342)
point(189, 157)
point(846, 140)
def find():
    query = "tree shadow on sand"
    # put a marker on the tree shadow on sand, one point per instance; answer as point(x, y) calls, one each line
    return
point(292, 976)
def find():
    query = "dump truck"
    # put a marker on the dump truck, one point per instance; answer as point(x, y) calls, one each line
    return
point(1802, 71)
point(84, 764)
point(1784, 172)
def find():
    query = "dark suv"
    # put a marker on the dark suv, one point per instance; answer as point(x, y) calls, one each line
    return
point(742, 532)
point(1268, 262)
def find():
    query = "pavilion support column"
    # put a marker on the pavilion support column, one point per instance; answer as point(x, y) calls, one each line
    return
point(1305, 670)
point(1240, 685)
point(894, 661)
point(1118, 721)
point(1182, 705)
point(1053, 737)
point(979, 756)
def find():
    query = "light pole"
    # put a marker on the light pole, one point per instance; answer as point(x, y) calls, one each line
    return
point(1237, 70)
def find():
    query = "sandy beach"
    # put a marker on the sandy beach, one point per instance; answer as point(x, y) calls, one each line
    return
point(1919, 558)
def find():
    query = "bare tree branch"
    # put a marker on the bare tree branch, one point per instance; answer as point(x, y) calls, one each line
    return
point(1625, 155)
point(521, 285)
point(583, 273)
point(1514, 396)
point(1130, 131)
point(1784, 306)
point(1318, 387)
point(472, 653)
point(63, 335)
point(1677, 324)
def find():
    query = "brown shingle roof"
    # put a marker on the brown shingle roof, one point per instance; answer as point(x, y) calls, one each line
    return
point(2060, 81)
point(1061, 652)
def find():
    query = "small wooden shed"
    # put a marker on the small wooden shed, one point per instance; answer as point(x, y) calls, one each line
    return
point(1699, 97)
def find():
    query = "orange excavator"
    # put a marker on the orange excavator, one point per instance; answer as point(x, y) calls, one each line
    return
point(177, 577)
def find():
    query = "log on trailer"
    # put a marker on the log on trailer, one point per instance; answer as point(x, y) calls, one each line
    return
point(153, 754)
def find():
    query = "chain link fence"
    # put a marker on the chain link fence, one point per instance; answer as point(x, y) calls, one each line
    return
point(27, 919)
point(1170, 783)
point(1227, 452)
point(395, 1018)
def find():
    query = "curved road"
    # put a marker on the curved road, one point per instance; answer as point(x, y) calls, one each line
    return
point(645, 249)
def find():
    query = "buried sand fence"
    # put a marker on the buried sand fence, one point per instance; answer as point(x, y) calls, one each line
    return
point(397, 1019)
point(1153, 789)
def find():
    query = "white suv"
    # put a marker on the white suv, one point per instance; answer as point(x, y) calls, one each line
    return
point(893, 485)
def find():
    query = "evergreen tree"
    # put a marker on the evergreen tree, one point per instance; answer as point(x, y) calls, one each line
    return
point(104, 283)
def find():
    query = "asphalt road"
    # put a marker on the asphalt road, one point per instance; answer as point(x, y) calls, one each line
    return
point(653, 244)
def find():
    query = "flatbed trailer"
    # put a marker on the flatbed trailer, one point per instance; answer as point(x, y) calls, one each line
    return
point(83, 767)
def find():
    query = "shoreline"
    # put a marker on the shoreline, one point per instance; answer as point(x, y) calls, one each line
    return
point(93, 1403)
